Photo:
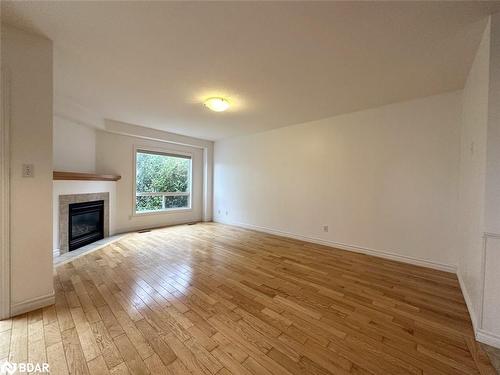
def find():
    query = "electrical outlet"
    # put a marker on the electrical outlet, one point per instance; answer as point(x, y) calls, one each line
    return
point(28, 170)
point(218, 211)
point(325, 228)
point(227, 213)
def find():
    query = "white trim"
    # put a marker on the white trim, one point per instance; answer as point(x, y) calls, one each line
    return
point(207, 187)
point(163, 151)
point(486, 236)
point(354, 248)
point(160, 150)
point(477, 319)
point(483, 279)
point(481, 334)
point(162, 212)
point(488, 338)
point(33, 304)
point(468, 301)
point(5, 310)
point(163, 194)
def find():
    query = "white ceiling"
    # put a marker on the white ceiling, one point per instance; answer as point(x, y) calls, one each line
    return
point(280, 63)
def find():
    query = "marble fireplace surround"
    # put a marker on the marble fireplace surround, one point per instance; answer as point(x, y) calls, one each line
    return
point(65, 201)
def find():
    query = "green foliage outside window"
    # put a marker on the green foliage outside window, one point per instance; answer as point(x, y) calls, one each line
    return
point(157, 173)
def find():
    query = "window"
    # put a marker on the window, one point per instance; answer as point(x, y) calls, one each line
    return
point(163, 181)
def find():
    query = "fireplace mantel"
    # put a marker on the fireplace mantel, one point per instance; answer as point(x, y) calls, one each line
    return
point(78, 176)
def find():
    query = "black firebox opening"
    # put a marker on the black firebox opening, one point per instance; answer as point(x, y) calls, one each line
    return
point(86, 223)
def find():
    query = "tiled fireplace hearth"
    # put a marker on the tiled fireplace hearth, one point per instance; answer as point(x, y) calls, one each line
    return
point(64, 209)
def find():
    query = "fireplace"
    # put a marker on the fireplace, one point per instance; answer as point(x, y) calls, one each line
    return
point(65, 200)
point(85, 223)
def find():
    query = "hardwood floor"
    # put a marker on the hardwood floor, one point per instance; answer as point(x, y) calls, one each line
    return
point(215, 299)
point(494, 355)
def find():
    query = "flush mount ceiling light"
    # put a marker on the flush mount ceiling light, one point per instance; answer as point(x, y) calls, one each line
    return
point(217, 104)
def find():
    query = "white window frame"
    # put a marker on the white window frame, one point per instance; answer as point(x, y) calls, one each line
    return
point(189, 193)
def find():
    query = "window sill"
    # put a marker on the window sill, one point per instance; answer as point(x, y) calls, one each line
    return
point(162, 212)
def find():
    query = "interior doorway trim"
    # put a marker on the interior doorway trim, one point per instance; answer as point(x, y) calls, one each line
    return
point(5, 197)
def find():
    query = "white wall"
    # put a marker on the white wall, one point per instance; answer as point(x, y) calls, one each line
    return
point(82, 187)
point(479, 198)
point(140, 132)
point(491, 311)
point(115, 154)
point(74, 146)
point(492, 214)
point(28, 62)
point(383, 179)
point(473, 175)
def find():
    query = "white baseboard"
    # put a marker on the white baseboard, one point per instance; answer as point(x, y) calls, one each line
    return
point(488, 338)
point(468, 302)
point(32, 304)
point(481, 335)
point(343, 246)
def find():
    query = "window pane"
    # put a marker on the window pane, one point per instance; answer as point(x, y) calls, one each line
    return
point(177, 202)
point(161, 173)
point(148, 203)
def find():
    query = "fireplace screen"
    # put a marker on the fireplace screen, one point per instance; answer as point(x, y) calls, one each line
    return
point(86, 223)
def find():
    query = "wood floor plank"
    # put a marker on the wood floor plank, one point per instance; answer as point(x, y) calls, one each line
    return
point(121, 369)
point(129, 353)
point(18, 351)
point(97, 366)
point(159, 345)
point(156, 366)
point(74, 354)
point(107, 347)
point(234, 367)
point(52, 333)
point(57, 359)
point(186, 356)
point(178, 368)
point(87, 339)
point(114, 328)
point(36, 340)
point(5, 343)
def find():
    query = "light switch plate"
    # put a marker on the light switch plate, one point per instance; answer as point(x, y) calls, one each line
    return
point(28, 170)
